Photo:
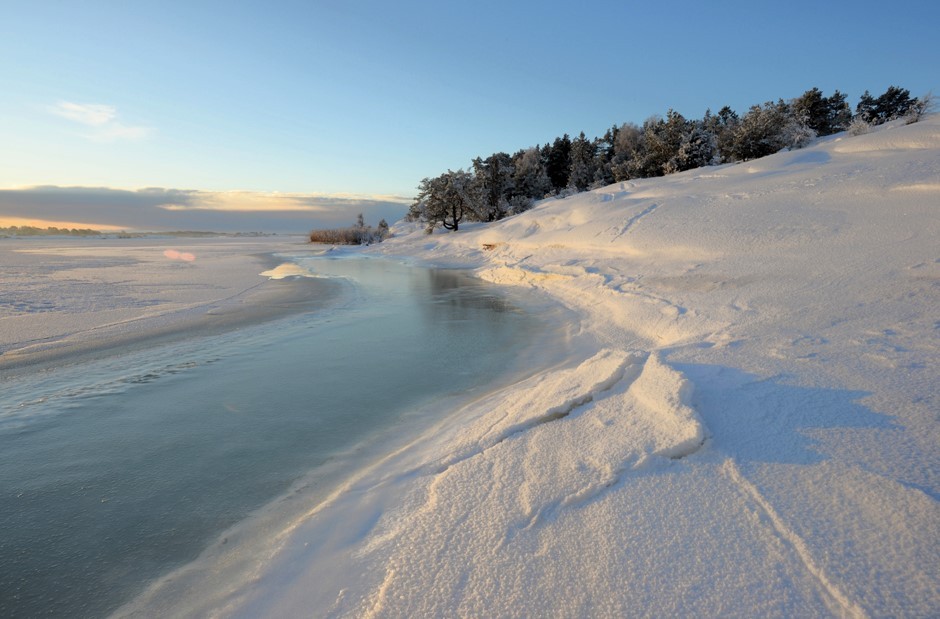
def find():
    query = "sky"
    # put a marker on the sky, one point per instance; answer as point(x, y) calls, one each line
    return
point(273, 115)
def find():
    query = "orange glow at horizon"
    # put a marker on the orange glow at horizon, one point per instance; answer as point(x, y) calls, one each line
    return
point(9, 222)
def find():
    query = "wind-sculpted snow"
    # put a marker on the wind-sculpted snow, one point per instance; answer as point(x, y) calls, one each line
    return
point(556, 445)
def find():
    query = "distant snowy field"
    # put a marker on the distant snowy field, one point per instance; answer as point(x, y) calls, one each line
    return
point(747, 424)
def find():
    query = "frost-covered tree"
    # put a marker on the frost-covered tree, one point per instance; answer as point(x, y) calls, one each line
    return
point(494, 176)
point(699, 147)
point(382, 230)
point(722, 126)
point(663, 138)
point(629, 150)
point(766, 129)
point(446, 200)
point(530, 179)
point(922, 105)
point(581, 166)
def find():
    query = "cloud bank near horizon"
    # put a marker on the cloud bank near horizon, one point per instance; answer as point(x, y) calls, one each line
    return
point(160, 209)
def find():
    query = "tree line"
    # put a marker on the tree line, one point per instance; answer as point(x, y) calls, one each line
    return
point(503, 184)
point(50, 231)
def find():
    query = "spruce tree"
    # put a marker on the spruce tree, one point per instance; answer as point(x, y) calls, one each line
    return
point(559, 162)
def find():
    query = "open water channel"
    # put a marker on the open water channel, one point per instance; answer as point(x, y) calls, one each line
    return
point(116, 471)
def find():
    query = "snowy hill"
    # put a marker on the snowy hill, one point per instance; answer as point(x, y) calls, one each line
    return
point(744, 423)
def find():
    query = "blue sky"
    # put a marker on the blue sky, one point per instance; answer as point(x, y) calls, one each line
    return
point(358, 100)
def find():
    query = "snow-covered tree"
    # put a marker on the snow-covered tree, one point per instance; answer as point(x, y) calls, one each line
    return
point(722, 126)
point(581, 166)
point(494, 175)
point(699, 147)
point(663, 138)
point(530, 180)
point(766, 129)
point(446, 200)
point(381, 230)
point(629, 150)
point(921, 106)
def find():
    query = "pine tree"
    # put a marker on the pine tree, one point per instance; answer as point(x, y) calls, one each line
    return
point(603, 158)
point(865, 110)
point(812, 109)
point(840, 114)
point(824, 115)
point(559, 162)
point(893, 104)
point(581, 167)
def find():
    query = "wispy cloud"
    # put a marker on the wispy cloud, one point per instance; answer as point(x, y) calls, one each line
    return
point(85, 113)
point(100, 120)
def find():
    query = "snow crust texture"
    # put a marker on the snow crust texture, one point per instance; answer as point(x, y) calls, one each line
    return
point(746, 424)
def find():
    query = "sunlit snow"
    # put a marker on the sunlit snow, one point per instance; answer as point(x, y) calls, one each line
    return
point(746, 423)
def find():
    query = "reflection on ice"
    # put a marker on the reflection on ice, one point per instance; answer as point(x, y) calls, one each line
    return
point(185, 256)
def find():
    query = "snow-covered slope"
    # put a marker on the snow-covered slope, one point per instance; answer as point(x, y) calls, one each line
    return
point(747, 424)
point(785, 308)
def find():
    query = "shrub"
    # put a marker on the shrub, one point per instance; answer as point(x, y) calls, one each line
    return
point(358, 234)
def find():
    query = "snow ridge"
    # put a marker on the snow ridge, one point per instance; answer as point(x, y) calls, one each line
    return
point(526, 469)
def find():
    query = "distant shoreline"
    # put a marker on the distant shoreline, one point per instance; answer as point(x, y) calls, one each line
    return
point(29, 232)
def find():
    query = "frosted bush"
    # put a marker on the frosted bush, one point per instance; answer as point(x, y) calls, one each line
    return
point(858, 126)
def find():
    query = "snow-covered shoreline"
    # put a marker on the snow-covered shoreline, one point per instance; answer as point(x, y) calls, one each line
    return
point(747, 423)
point(94, 294)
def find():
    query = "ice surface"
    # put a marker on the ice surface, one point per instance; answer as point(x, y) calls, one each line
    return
point(746, 426)
point(61, 296)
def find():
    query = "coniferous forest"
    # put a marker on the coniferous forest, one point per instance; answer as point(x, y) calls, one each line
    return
point(502, 184)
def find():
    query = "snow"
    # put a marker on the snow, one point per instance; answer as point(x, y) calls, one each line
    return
point(745, 423)
point(66, 295)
